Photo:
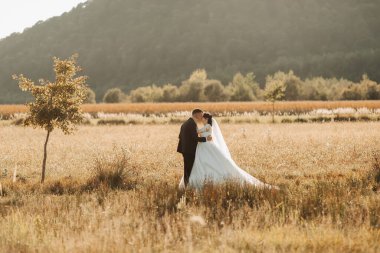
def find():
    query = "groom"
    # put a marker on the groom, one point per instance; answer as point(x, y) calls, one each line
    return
point(188, 141)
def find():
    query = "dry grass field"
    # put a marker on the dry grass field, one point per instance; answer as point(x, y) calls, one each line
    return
point(114, 189)
point(291, 106)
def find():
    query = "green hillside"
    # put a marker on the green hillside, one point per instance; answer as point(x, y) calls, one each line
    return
point(131, 43)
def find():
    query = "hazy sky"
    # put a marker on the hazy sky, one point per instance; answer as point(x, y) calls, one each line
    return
point(16, 15)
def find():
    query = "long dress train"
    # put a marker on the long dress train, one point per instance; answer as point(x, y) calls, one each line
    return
point(213, 163)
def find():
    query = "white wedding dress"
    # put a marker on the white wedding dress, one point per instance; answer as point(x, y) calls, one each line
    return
point(213, 162)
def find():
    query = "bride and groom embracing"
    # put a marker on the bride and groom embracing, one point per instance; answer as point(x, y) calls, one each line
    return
point(206, 155)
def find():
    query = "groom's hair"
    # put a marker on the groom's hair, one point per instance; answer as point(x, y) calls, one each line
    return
point(196, 111)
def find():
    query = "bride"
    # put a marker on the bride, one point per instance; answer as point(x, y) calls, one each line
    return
point(213, 162)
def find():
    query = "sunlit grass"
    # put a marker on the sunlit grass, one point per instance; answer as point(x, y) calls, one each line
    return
point(115, 189)
point(291, 106)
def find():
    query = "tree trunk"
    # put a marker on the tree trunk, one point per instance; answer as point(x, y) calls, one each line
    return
point(272, 112)
point(45, 157)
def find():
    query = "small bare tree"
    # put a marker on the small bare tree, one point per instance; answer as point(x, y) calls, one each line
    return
point(274, 91)
point(56, 104)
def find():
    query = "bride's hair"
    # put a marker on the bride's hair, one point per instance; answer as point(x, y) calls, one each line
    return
point(208, 117)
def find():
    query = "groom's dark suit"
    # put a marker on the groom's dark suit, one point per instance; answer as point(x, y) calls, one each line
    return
point(188, 141)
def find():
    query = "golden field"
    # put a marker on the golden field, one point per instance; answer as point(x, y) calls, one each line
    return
point(328, 173)
point(290, 106)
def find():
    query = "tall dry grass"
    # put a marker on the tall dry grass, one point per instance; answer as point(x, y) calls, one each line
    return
point(297, 106)
point(291, 106)
point(328, 174)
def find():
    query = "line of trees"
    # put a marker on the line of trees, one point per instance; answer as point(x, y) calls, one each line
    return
point(163, 41)
point(244, 87)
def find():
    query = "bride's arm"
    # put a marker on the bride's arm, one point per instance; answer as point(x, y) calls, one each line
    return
point(201, 130)
point(209, 129)
point(194, 134)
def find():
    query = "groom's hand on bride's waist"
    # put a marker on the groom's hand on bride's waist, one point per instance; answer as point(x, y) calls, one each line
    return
point(209, 138)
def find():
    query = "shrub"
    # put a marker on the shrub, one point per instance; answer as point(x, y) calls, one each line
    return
point(300, 120)
point(86, 122)
point(111, 122)
point(19, 122)
point(63, 186)
point(244, 88)
point(352, 93)
point(114, 95)
point(6, 116)
point(364, 118)
point(290, 81)
point(214, 91)
point(192, 91)
point(175, 120)
point(193, 88)
point(320, 119)
point(114, 173)
point(370, 89)
point(286, 120)
point(375, 173)
point(170, 93)
point(341, 118)
point(90, 97)
point(146, 94)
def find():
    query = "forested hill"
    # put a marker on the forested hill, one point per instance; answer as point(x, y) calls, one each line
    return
point(129, 43)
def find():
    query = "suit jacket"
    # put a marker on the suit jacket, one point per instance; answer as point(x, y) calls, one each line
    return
point(188, 138)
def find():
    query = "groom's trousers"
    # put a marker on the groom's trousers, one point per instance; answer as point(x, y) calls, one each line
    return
point(188, 160)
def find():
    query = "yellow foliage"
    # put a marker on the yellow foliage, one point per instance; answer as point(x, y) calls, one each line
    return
point(56, 104)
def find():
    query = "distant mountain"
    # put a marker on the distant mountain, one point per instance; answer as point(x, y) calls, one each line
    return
point(129, 43)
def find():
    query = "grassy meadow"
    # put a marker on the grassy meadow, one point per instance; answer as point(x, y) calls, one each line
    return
point(114, 189)
point(227, 112)
point(220, 107)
